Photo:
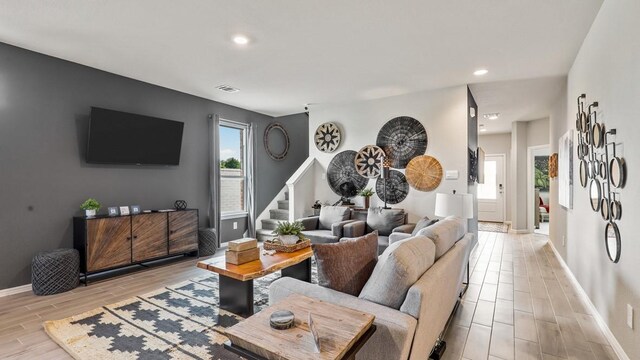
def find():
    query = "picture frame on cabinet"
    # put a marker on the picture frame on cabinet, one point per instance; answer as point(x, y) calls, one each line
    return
point(124, 210)
point(113, 211)
point(135, 209)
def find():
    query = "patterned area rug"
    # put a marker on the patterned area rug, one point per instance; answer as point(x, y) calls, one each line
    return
point(182, 321)
point(493, 227)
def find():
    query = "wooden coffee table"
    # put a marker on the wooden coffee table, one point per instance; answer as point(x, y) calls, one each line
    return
point(342, 332)
point(236, 281)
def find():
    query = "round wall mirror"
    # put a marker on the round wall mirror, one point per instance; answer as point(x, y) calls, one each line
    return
point(603, 169)
point(583, 121)
point(612, 241)
point(595, 194)
point(604, 209)
point(276, 141)
point(617, 172)
point(616, 210)
point(597, 134)
point(583, 173)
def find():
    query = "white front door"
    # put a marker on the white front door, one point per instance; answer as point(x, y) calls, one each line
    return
point(491, 193)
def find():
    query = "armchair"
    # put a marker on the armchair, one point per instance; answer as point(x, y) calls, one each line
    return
point(410, 230)
point(386, 221)
point(328, 227)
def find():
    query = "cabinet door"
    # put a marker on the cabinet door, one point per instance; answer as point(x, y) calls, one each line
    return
point(149, 236)
point(108, 243)
point(183, 231)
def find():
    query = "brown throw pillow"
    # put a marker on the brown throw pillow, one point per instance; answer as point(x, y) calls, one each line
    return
point(346, 266)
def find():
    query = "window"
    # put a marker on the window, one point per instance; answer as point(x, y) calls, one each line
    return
point(488, 190)
point(233, 139)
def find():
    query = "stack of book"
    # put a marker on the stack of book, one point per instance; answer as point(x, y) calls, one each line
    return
point(242, 251)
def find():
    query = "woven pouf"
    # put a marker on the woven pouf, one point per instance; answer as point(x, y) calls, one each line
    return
point(53, 272)
point(207, 241)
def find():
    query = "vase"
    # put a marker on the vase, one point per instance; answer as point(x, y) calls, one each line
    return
point(316, 212)
point(288, 239)
point(90, 213)
point(366, 202)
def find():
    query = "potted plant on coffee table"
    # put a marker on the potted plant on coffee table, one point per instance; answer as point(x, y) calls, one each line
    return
point(366, 193)
point(90, 207)
point(289, 232)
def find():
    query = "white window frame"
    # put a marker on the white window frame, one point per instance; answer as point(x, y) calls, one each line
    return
point(245, 127)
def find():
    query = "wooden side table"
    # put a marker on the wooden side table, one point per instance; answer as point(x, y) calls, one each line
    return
point(342, 332)
point(236, 281)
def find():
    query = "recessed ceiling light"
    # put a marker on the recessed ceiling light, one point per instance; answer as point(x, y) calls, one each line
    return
point(227, 89)
point(480, 72)
point(483, 130)
point(491, 116)
point(241, 40)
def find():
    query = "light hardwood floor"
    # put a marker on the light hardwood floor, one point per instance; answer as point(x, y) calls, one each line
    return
point(520, 305)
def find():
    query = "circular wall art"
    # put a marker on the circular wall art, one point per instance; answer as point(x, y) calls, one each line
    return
point(327, 137)
point(267, 131)
point(402, 139)
point(369, 161)
point(342, 176)
point(397, 187)
point(424, 173)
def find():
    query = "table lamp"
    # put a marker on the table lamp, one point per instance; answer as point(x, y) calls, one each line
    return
point(460, 205)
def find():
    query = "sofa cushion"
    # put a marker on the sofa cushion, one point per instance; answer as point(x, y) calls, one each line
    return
point(423, 223)
point(320, 236)
point(332, 214)
point(385, 220)
point(399, 267)
point(444, 234)
point(346, 266)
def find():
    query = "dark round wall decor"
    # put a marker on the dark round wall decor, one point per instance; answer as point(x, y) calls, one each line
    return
point(397, 187)
point(369, 161)
point(402, 139)
point(342, 176)
point(276, 127)
point(327, 137)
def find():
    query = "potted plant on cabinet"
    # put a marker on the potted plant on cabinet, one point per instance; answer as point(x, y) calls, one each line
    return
point(289, 232)
point(366, 193)
point(90, 207)
point(316, 208)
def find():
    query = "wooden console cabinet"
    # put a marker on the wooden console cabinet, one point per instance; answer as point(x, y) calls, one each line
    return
point(110, 242)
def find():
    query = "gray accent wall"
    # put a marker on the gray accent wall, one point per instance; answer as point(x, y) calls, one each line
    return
point(44, 113)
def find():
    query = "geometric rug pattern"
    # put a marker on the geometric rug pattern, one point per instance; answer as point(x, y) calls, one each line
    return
point(493, 227)
point(181, 321)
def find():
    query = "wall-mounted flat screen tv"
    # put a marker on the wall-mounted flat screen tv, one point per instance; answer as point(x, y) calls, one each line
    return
point(117, 137)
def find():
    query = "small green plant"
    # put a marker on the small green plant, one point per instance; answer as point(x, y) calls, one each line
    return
point(90, 204)
point(289, 228)
point(367, 192)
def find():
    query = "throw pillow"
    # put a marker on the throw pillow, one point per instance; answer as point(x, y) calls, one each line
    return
point(385, 220)
point(445, 234)
point(346, 266)
point(423, 223)
point(398, 268)
point(330, 215)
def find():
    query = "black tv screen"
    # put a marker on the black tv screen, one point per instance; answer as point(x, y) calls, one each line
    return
point(117, 137)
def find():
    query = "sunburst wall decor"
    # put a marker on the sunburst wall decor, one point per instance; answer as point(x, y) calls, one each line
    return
point(368, 161)
point(328, 137)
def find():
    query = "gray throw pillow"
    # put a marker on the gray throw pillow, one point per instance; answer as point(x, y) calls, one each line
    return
point(347, 265)
point(330, 215)
point(445, 234)
point(385, 220)
point(423, 223)
point(398, 268)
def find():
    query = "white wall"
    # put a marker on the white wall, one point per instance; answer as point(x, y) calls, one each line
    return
point(494, 144)
point(607, 69)
point(442, 112)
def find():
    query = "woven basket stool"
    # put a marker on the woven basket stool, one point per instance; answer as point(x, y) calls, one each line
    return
point(53, 272)
point(207, 241)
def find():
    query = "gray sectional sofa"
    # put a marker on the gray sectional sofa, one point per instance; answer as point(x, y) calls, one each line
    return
point(410, 330)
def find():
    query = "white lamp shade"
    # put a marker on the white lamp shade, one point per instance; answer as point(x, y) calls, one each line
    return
point(460, 205)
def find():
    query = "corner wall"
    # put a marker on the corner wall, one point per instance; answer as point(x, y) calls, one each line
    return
point(607, 70)
point(442, 112)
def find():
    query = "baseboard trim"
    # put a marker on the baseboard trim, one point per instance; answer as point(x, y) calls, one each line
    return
point(522, 231)
point(617, 348)
point(15, 290)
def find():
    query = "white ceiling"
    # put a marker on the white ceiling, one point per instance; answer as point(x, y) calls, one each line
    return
point(305, 51)
point(516, 100)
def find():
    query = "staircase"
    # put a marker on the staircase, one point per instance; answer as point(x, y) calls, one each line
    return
point(275, 216)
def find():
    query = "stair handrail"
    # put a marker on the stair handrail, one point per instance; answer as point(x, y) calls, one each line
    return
point(302, 176)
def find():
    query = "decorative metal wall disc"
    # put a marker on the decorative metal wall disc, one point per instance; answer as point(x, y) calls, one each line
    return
point(397, 187)
point(402, 139)
point(424, 173)
point(369, 161)
point(342, 176)
point(327, 137)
